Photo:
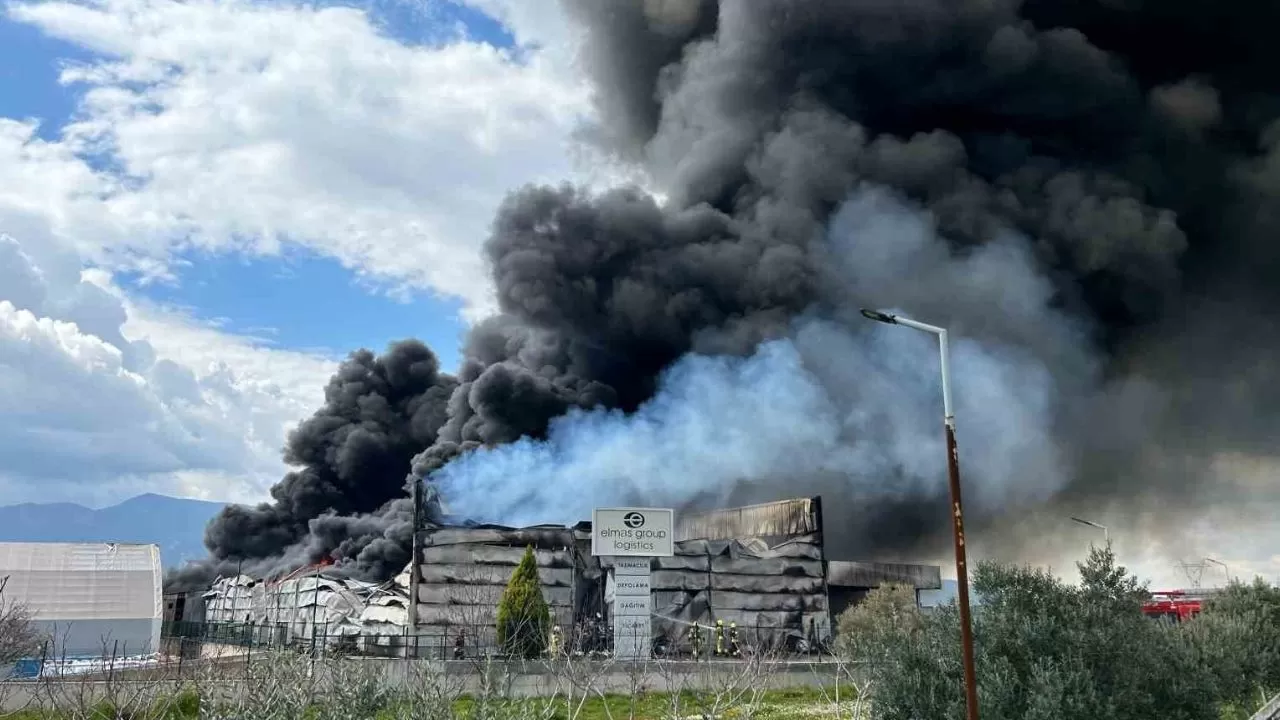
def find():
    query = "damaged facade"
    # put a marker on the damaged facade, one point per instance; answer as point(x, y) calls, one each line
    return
point(463, 572)
point(763, 568)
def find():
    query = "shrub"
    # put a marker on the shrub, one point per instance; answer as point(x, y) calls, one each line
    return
point(888, 609)
point(18, 635)
point(1237, 640)
point(523, 617)
point(1044, 649)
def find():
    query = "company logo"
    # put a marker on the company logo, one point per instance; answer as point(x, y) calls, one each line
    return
point(631, 532)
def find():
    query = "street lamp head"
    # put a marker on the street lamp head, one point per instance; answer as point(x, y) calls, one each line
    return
point(1090, 523)
point(879, 316)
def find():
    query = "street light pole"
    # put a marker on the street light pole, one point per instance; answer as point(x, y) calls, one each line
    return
point(1226, 572)
point(957, 515)
point(1106, 534)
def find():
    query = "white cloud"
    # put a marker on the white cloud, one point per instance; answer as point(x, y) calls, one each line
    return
point(544, 25)
point(93, 411)
point(226, 125)
point(103, 398)
point(237, 124)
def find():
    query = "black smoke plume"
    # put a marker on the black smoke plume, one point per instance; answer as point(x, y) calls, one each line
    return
point(1130, 148)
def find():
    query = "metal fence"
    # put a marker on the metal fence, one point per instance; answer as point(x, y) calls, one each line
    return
point(466, 641)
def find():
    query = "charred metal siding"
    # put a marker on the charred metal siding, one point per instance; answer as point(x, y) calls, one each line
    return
point(849, 582)
point(783, 519)
point(465, 570)
point(762, 567)
point(843, 573)
point(184, 607)
point(774, 594)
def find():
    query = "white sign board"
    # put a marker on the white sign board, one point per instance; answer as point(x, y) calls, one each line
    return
point(632, 608)
point(631, 647)
point(631, 605)
point(632, 627)
point(629, 586)
point(631, 566)
point(633, 532)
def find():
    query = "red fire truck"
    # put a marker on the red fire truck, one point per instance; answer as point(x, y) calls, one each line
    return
point(1175, 605)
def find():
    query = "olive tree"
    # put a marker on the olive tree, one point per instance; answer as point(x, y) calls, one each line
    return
point(1237, 640)
point(1044, 650)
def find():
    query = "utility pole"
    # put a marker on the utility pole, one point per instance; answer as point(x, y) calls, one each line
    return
point(957, 514)
point(415, 572)
point(315, 604)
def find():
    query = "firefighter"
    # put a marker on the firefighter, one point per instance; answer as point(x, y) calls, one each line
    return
point(719, 638)
point(695, 640)
point(734, 649)
point(553, 647)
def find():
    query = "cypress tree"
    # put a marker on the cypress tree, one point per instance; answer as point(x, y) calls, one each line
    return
point(523, 617)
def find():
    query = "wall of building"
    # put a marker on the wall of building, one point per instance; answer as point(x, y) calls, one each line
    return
point(775, 595)
point(88, 599)
point(464, 571)
point(762, 568)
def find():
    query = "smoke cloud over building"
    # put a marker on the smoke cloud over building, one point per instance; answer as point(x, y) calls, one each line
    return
point(1085, 192)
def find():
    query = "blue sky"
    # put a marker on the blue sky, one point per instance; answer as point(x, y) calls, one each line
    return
point(298, 300)
point(301, 301)
point(29, 67)
point(258, 188)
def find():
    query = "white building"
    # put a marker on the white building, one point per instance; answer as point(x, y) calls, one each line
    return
point(88, 599)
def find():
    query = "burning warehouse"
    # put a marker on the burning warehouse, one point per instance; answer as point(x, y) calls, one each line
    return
point(762, 568)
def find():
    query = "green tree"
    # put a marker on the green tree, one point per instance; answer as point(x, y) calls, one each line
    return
point(523, 616)
point(1104, 584)
point(889, 609)
point(1237, 639)
point(1044, 650)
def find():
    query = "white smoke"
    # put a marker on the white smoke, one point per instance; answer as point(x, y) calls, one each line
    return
point(839, 397)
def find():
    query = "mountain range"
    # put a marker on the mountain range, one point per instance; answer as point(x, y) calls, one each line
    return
point(175, 524)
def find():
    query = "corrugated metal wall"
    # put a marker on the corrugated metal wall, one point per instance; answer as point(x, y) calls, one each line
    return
point(786, 518)
point(465, 571)
point(761, 567)
point(776, 595)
